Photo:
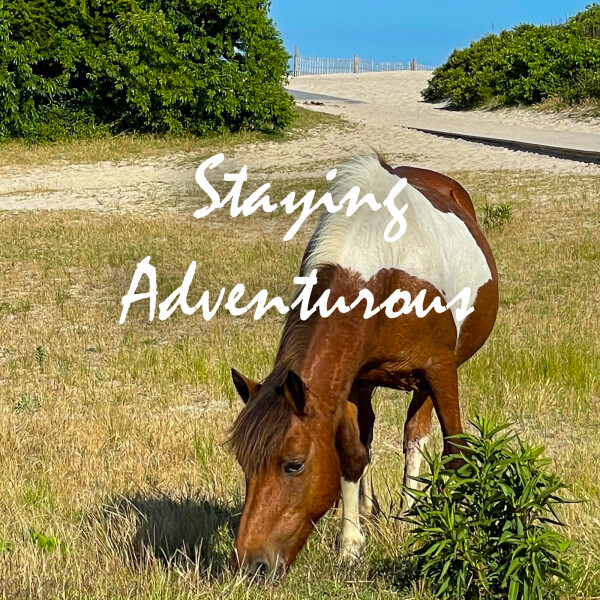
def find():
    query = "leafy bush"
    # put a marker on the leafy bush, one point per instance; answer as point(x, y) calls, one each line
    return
point(483, 532)
point(84, 68)
point(47, 543)
point(526, 65)
point(496, 215)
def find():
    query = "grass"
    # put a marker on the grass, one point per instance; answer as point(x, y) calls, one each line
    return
point(116, 148)
point(115, 479)
point(583, 111)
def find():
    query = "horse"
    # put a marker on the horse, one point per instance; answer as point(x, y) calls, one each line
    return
point(305, 431)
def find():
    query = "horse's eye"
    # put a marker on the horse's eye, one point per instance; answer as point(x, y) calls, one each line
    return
point(294, 467)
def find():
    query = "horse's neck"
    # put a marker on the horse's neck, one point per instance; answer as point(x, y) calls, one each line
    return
point(327, 354)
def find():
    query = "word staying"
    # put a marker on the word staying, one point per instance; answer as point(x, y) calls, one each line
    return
point(261, 303)
point(260, 200)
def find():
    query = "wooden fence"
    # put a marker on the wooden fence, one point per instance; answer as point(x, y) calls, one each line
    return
point(310, 65)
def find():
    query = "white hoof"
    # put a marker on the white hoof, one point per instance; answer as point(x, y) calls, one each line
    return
point(350, 547)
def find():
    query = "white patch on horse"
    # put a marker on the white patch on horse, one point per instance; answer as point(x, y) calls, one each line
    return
point(350, 541)
point(437, 247)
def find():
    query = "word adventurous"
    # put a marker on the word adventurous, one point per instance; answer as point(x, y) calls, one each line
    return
point(261, 303)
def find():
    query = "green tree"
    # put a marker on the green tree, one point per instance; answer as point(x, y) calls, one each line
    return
point(82, 67)
point(526, 65)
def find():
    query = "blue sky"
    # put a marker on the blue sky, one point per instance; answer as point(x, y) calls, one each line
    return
point(395, 30)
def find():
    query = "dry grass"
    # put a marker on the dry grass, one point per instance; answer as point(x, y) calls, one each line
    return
point(116, 148)
point(583, 111)
point(111, 436)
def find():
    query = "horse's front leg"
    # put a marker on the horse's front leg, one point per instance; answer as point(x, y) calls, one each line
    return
point(353, 462)
point(350, 540)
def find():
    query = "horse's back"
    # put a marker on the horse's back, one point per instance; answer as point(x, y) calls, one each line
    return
point(441, 245)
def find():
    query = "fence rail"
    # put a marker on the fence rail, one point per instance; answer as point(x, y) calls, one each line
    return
point(310, 65)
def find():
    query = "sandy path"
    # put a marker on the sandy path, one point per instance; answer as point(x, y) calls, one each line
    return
point(398, 94)
point(390, 101)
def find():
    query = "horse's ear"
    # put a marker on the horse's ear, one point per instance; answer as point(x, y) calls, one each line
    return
point(294, 389)
point(243, 385)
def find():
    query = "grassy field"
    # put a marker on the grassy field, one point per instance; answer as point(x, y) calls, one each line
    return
point(115, 148)
point(116, 481)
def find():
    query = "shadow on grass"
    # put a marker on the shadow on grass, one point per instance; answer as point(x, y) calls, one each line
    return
point(189, 532)
point(398, 573)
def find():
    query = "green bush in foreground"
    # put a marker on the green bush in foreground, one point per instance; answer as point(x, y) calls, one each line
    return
point(90, 67)
point(525, 65)
point(484, 532)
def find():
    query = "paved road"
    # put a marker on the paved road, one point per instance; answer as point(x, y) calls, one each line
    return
point(309, 97)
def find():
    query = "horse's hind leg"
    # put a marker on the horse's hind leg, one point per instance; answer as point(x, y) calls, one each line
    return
point(443, 381)
point(366, 419)
point(416, 433)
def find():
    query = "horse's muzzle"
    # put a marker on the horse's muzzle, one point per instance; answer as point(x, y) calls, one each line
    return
point(259, 567)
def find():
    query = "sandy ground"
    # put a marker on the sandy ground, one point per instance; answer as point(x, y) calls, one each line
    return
point(391, 102)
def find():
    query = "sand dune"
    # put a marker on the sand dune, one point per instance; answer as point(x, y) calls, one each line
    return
point(388, 103)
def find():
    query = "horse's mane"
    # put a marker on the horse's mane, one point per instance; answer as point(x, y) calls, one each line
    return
point(260, 429)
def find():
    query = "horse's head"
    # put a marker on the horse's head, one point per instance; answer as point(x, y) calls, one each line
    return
point(288, 451)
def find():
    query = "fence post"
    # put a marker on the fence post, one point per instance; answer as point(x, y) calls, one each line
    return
point(356, 63)
point(295, 61)
point(413, 64)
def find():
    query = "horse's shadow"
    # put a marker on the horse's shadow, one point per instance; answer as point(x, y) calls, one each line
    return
point(197, 533)
point(189, 531)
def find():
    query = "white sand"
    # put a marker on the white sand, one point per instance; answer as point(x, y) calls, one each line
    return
point(391, 102)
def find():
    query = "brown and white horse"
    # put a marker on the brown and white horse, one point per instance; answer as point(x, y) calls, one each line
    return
point(308, 426)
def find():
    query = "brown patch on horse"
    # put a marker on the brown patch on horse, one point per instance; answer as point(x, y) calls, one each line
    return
point(434, 186)
point(352, 452)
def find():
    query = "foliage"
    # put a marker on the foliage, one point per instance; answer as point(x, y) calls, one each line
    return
point(483, 532)
point(28, 403)
point(525, 65)
point(45, 542)
point(82, 68)
point(496, 215)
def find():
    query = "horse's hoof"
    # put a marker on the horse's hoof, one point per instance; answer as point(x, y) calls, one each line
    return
point(350, 547)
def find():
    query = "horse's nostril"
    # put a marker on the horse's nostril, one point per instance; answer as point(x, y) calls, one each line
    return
point(260, 568)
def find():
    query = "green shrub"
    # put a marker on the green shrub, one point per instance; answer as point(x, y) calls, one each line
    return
point(47, 543)
point(526, 65)
point(84, 68)
point(484, 531)
point(496, 215)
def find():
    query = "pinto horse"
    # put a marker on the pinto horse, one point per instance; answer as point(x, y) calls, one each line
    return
point(306, 430)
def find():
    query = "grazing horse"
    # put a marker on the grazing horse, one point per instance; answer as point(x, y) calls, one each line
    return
point(306, 430)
